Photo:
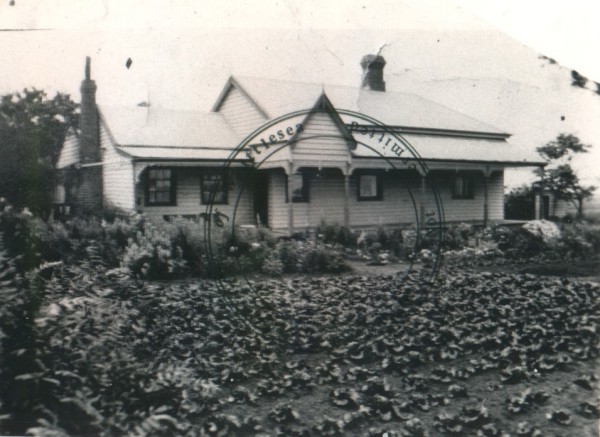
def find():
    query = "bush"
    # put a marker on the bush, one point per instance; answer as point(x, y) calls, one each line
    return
point(153, 254)
point(457, 237)
point(319, 259)
point(163, 250)
point(519, 203)
point(272, 265)
point(288, 255)
point(579, 241)
point(336, 234)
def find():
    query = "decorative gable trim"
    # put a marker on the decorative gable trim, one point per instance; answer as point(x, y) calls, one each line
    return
point(324, 105)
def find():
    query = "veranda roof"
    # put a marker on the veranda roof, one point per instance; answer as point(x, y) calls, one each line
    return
point(441, 148)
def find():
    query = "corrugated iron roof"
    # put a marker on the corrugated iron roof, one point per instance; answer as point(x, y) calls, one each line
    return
point(154, 133)
point(279, 97)
point(157, 128)
point(430, 147)
point(182, 153)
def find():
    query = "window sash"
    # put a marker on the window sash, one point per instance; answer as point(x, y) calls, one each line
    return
point(213, 188)
point(160, 187)
point(370, 187)
point(464, 186)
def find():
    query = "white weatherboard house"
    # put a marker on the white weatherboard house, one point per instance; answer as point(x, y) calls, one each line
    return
point(328, 165)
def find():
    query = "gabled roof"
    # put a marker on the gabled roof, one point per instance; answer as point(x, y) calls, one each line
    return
point(155, 133)
point(324, 105)
point(277, 97)
point(69, 154)
point(148, 132)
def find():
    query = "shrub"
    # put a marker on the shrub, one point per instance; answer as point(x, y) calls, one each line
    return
point(252, 261)
point(19, 306)
point(457, 237)
point(188, 236)
point(288, 255)
point(336, 234)
point(519, 203)
point(591, 234)
point(303, 257)
point(153, 255)
point(365, 241)
point(163, 250)
point(577, 241)
point(272, 265)
point(120, 230)
point(319, 259)
point(15, 227)
point(388, 240)
point(85, 228)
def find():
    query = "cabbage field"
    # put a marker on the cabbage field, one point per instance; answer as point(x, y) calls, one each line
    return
point(484, 354)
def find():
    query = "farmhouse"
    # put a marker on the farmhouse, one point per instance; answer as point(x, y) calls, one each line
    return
point(289, 155)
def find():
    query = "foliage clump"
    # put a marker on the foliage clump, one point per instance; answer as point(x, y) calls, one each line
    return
point(33, 128)
point(161, 249)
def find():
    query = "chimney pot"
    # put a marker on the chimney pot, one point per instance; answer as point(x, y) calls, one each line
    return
point(87, 68)
point(372, 66)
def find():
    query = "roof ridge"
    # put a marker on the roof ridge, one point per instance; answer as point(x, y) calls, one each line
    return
point(159, 109)
point(364, 92)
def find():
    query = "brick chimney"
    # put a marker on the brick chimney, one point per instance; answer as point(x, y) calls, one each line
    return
point(89, 191)
point(88, 119)
point(372, 66)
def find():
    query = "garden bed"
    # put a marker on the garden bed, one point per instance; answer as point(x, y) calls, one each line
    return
point(308, 355)
point(93, 344)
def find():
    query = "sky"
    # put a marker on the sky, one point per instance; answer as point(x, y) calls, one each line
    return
point(480, 57)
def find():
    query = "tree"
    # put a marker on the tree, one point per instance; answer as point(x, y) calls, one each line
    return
point(32, 129)
point(559, 176)
point(519, 203)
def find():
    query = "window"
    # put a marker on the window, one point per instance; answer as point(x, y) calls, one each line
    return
point(370, 187)
point(464, 186)
point(213, 187)
point(160, 187)
point(299, 186)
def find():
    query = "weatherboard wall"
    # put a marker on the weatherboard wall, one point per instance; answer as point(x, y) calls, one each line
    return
point(69, 154)
point(189, 198)
point(399, 206)
point(241, 114)
point(118, 182)
point(320, 143)
point(326, 202)
point(466, 210)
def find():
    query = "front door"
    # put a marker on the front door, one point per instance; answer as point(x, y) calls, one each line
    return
point(261, 197)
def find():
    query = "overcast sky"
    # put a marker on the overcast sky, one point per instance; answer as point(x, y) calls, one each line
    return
point(462, 53)
point(174, 43)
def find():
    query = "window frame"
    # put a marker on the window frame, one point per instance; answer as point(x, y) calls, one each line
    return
point(378, 187)
point(211, 199)
point(305, 190)
point(467, 191)
point(172, 187)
